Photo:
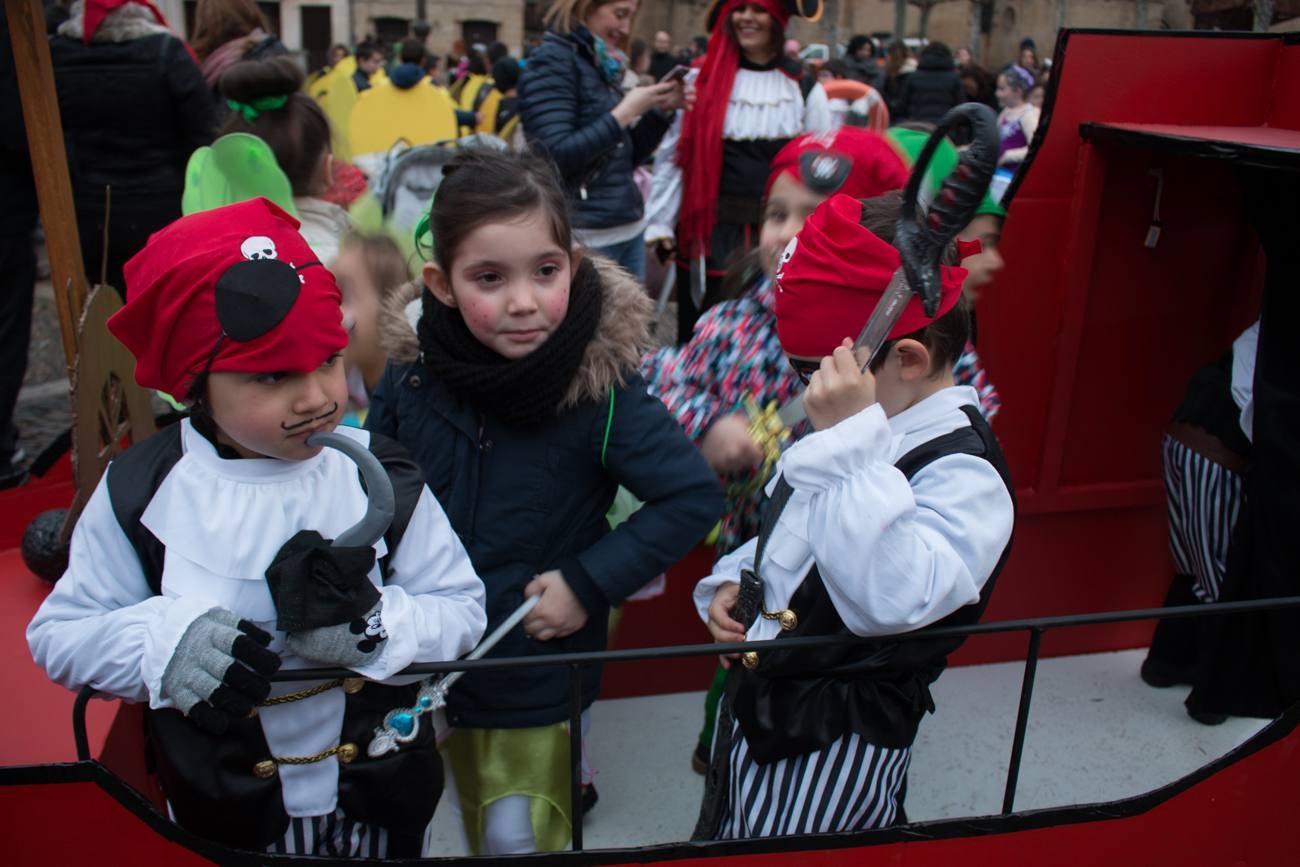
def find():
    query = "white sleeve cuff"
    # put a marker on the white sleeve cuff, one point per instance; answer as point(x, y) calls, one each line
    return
point(825, 458)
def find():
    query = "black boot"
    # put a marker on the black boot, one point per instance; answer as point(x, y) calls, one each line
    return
point(1171, 661)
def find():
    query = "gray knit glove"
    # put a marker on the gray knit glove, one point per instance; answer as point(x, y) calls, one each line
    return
point(350, 645)
point(219, 670)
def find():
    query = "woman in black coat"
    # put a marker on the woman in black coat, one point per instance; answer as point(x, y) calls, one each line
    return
point(935, 87)
point(134, 107)
point(573, 108)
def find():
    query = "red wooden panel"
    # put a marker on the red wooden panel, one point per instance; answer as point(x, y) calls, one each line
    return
point(79, 823)
point(1286, 95)
point(1018, 331)
point(664, 620)
point(1151, 316)
point(1135, 78)
point(1238, 815)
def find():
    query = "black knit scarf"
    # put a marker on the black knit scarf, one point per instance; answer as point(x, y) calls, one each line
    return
point(523, 393)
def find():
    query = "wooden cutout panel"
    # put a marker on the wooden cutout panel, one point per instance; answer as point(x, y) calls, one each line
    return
point(109, 411)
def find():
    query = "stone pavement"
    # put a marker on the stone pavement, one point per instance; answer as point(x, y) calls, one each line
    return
point(44, 410)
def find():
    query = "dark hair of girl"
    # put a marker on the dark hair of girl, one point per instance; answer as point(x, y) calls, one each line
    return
point(298, 133)
point(481, 186)
point(945, 337)
point(217, 22)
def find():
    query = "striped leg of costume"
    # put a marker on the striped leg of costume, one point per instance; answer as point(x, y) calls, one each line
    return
point(850, 785)
point(332, 834)
point(1204, 502)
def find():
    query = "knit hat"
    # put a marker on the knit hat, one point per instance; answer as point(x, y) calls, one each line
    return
point(852, 161)
point(230, 289)
point(831, 276)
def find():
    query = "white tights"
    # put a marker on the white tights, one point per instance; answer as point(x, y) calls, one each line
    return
point(508, 827)
point(508, 823)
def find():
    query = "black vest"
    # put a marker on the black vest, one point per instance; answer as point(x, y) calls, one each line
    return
point(208, 779)
point(801, 700)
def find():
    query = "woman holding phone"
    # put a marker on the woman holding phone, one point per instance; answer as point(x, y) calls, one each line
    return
point(706, 202)
point(573, 108)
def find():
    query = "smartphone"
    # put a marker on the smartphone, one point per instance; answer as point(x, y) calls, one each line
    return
point(677, 73)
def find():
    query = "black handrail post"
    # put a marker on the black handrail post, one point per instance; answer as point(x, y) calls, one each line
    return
point(79, 722)
point(575, 754)
point(1022, 719)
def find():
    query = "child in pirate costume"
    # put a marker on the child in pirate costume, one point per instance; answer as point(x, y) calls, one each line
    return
point(895, 514)
point(201, 563)
point(735, 355)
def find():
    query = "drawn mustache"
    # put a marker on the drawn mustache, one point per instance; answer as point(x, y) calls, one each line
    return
point(289, 427)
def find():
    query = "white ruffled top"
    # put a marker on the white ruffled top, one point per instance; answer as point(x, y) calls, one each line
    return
point(763, 104)
point(191, 512)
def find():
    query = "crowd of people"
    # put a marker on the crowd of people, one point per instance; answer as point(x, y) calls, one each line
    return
point(509, 385)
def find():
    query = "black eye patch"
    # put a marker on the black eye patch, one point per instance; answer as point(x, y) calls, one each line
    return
point(823, 171)
point(254, 296)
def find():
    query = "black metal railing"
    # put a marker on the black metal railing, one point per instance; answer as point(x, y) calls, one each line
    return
point(1035, 626)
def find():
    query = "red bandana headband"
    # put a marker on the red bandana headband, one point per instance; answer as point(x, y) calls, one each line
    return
point(230, 289)
point(831, 276)
point(852, 161)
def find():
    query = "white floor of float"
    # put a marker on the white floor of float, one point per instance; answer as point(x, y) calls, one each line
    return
point(1096, 733)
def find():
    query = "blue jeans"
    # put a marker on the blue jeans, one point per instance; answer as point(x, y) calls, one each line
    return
point(630, 254)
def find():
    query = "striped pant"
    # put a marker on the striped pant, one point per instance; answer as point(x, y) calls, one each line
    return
point(332, 834)
point(1204, 501)
point(850, 785)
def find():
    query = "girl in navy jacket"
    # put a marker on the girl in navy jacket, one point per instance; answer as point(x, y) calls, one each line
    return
point(518, 394)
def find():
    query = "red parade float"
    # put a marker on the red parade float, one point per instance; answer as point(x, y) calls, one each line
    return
point(1090, 332)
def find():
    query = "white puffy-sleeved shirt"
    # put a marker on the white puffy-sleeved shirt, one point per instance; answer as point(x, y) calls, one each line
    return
point(1244, 349)
point(764, 104)
point(221, 522)
point(893, 556)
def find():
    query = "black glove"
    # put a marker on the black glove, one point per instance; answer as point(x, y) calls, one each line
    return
point(219, 670)
point(314, 584)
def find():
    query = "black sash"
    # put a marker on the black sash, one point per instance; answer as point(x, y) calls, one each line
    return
point(749, 602)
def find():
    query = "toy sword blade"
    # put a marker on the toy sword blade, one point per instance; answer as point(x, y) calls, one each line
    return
point(491, 641)
point(402, 724)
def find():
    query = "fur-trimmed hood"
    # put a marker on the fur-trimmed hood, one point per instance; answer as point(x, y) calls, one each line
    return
point(622, 335)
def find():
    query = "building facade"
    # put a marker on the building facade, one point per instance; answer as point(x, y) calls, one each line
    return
point(994, 29)
point(310, 27)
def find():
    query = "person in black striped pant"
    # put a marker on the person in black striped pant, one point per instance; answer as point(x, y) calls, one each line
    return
point(1206, 455)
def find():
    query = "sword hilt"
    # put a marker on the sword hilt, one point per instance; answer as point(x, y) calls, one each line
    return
point(921, 241)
